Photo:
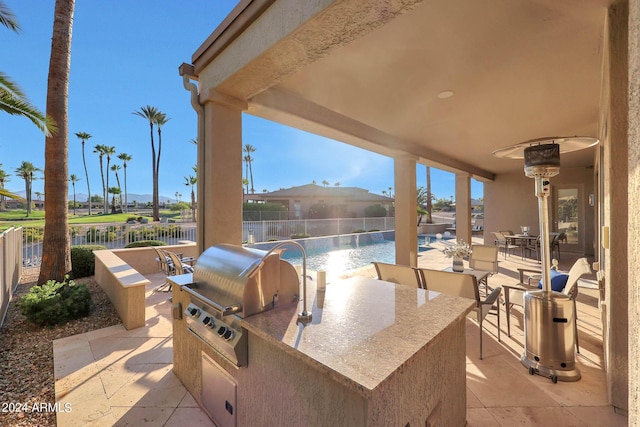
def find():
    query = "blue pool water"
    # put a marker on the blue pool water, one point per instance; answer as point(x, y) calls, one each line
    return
point(338, 260)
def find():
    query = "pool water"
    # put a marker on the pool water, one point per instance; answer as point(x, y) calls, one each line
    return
point(339, 260)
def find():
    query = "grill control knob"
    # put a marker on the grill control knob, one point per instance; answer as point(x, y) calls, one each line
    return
point(194, 312)
point(206, 321)
point(222, 330)
point(228, 335)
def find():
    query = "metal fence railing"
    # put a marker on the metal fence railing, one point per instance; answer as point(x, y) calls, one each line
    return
point(120, 235)
point(112, 236)
point(10, 250)
point(263, 231)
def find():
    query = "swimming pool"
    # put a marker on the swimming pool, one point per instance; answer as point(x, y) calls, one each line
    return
point(338, 260)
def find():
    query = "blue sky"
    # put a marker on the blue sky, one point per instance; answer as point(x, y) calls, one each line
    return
point(125, 55)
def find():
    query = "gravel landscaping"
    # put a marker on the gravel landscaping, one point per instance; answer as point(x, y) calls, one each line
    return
point(27, 391)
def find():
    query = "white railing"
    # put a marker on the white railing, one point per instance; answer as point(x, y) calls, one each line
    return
point(119, 235)
point(263, 231)
point(10, 250)
point(112, 236)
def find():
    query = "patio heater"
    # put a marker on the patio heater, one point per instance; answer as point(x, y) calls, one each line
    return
point(549, 332)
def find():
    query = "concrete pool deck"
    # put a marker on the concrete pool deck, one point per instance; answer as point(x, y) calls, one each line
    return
point(117, 377)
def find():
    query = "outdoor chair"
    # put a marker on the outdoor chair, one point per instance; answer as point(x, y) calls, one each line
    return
point(554, 242)
point(401, 274)
point(533, 246)
point(484, 258)
point(178, 265)
point(514, 294)
point(164, 265)
point(503, 243)
point(466, 286)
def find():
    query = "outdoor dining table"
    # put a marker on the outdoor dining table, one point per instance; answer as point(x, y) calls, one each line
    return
point(522, 240)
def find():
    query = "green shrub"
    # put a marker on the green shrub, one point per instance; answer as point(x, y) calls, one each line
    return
point(300, 235)
point(31, 234)
point(375, 211)
point(83, 261)
point(56, 302)
point(143, 243)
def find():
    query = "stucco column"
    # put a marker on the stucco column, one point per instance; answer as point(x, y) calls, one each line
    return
point(634, 213)
point(220, 171)
point(463, 207)
point(616, 158)
point(406, 212)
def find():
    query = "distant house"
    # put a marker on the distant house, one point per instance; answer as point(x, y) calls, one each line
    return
point(311, 200)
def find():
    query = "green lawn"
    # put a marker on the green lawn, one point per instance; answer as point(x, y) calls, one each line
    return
point(18, 218)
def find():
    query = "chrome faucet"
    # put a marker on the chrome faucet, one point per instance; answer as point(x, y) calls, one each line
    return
point(304, 317)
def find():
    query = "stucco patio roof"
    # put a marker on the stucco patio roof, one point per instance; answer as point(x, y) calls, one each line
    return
point(369, 73)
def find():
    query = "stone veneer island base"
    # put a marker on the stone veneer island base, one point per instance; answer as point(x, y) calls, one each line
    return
point(375, 354)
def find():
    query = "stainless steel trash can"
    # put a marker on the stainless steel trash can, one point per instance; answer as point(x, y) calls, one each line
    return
point(549, 334)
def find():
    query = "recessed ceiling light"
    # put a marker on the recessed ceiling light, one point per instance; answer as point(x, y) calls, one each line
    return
point(445, 94)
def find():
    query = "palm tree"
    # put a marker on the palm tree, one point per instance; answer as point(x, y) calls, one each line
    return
point(325, 182)
point(246, 172)
point(248, 148)
point(192, 180)
point(125, 158)
point(177, 197)
point(56, 246)
point(161, 120)
point(39, 195)
point(12, 100)
point(100, 151)
point(115, 169)
point(108, 151)
point(429, 196)
point(84, 136)
point(151, 114)
point(73, 178)
point(114, 191)
point(3, 178)
point(25, 171)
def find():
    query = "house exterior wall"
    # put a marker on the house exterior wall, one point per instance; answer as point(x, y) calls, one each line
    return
point(502, 213)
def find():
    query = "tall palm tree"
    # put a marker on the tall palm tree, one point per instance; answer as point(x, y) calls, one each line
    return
point(125, 158)
point(12, 100)
point(108, 151)
point(84, 136)
point(100, 151)
point(26, 171)
point(73, 178)
point(429, 196)
point(3, 178)
point(248, 148)
point(246, 173)
point(161, 120)
point(192, 180)
point(151, 114)
point(56, 246)
point(115, 168)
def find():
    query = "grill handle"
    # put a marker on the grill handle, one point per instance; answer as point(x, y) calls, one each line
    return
point(225, 311)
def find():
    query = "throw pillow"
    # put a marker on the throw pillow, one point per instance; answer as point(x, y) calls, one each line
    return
point(558, 281)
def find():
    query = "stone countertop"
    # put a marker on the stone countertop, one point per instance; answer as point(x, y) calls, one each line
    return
point(363, 329)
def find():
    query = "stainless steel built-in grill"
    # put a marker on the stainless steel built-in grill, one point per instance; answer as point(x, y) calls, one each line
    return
point(230, 283)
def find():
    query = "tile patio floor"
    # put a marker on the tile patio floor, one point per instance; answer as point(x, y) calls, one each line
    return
point(117, 377)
